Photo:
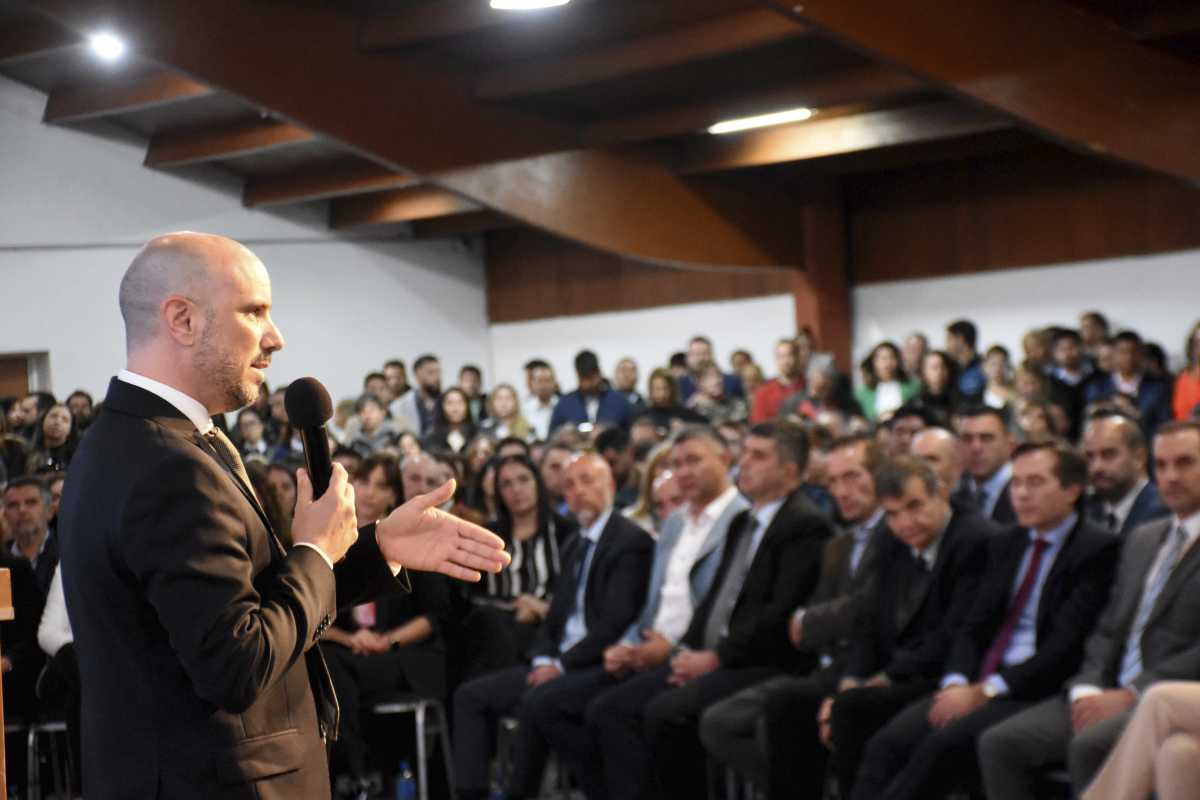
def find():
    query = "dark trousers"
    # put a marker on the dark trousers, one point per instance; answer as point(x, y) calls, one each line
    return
point(796, 758)
point(648, 730)
point(480, 703)
point(858, 714)
point(909, 758)
point(562, 722)
point(359, 680)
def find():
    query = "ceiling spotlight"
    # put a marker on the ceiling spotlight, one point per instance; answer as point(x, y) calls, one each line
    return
point(107, 46)
point(762, 120)
point(526, 5)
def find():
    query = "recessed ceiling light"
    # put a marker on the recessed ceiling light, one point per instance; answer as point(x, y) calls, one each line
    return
point(762, 120)
point(107, 46)
point(526, 5)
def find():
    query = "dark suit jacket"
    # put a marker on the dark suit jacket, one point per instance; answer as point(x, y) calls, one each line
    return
point(1171, 639)
point(18, 636)
point(43, 573)
point(195, 630)
point(616, 591)
point(1147, 506)
point(830, 616)
point(572, 408)
point(916, 648)
point(1071, 600)
point(1153, 398)
point(1003, 513)
point(783, 574)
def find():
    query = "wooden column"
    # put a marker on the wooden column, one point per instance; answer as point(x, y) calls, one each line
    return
point(822, 287)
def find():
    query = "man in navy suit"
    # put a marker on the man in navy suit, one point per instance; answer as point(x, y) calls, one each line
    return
point(592, 402)
point(1122, 495)
point(1151, 396)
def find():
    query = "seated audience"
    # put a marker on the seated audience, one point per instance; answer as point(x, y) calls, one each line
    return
point(887, 386)
point(664, 407)
point(453, 426)
point(470, 380)
point(416, 410)
point(251, 435)
point(700, 352)
point(961, 341)
point(987, 448)
point(82, 406)
point(27, 513)
point(939, 397)
point(1121, 497)
point(1014, 648)
point(1148, 633)
point(625, 378)
point(614, 446)
point(768, 400)
point(54, 441)
point(375, 430)
point(543, 396)
point(643, 511)
point(1186, 396)
point(504, 417)
point(592, 402)
point(710, 399)
point(1151, 395)
point(999, 392)
point(603, 583)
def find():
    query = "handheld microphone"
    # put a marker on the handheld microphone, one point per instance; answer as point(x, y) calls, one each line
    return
point(308, 409)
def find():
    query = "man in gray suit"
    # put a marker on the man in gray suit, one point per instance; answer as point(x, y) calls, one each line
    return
point(1149, 632)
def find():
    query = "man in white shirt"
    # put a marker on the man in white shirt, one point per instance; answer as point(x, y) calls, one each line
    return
point(543, 395)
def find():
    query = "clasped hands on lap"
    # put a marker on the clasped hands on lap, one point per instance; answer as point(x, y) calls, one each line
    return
point(417, 535)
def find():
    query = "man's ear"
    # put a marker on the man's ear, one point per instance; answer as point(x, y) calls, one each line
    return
point(179, 315)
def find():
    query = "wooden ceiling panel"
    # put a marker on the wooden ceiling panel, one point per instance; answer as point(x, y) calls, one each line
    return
point(105, 100)
point(176, 149)
point(341, 178)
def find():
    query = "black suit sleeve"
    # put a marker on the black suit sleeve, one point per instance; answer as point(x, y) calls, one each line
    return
point(758, 635)
point(364, 574)
point(20, 634)
point(235, 633)
point(627, 575)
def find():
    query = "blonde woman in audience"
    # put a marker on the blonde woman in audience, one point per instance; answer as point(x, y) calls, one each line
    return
point(642, 512)
point(1159, 751)
point(504, 414)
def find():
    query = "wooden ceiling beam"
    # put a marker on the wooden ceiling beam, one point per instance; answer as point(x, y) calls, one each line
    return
point(696, 42)
point(440, 20)
point(868, 84)
point(324, 184)
point(818, 138)
point(37, 37)
point(161, 88)
point(192, 147)
point(1073, 77)
point(469, 223)
point(397, 206)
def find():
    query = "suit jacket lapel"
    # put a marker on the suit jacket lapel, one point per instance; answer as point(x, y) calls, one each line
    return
point(1183, 572)
point(242, 488)
point(1141, 563)
point(938, 565)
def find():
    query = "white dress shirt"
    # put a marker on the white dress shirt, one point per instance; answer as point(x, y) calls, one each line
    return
point(675, 610)
point(54, 630)
point(539, 414)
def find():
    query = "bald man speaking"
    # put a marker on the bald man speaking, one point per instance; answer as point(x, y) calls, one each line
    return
point(195, 627)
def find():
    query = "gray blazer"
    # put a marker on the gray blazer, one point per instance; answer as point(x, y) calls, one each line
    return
point(704, 568)
point(1171, 640)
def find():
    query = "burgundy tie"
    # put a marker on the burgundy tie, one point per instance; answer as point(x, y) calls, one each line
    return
point(995, 654)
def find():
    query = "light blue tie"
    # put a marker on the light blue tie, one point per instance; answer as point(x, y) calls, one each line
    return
point(1131, 663)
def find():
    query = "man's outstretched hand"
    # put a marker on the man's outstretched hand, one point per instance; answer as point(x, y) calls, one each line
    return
point(419, 535)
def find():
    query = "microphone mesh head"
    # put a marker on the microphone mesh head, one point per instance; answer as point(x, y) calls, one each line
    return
point(307, 403)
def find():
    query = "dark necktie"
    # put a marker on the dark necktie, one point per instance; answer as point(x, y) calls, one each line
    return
point(914, 591)
point(1110, 519)
point(229, 455)
point(995, 654)
point(585, 548)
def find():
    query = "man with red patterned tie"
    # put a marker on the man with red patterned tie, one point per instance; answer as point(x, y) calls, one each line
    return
point(1045, 585)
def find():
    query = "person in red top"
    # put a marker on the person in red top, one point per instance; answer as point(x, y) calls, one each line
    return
point(770, 396)
point(1187, 385)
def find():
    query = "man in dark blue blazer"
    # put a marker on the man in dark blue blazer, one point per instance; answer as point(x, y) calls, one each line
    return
point(592, 402)
point(1122, 495)
point(1151, 396)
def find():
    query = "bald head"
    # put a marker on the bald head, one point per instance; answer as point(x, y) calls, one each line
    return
point(940, 449)
point(197, 317)
point(1115, 449)
point(588, 487)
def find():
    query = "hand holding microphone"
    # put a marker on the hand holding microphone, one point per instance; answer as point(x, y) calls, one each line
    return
point(324, 497)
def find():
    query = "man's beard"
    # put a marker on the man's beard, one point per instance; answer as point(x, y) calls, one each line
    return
point(225, 373)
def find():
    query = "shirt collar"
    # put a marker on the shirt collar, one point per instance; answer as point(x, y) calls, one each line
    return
point(716, 508)
point(1191, 525)
point(995, 484)
point(592, 533)
point(1058, 533)
point(189, 406)
point(766, 514)
point(864, 528)
point(929, 554)
point(1122, 507)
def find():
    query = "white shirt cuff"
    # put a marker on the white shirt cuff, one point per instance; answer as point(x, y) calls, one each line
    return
point(1000, 685)
point(955, 679)
point(323, 554)
point(547, 661)
point(1083, 690)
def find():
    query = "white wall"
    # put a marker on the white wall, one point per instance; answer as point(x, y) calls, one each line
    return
point(1159, 296)
point(75, 207)
point(649, 336)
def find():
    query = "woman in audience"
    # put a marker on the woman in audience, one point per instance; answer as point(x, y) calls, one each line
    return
point(939, 396)
point(479, 452)
point(289, 449)
point(54, 441)
point(408, 443)
point(1035, 423)
point(272, 499)
point(282, 477)
point(887, 384)
point(378, 488)
point(453, 427)
point(1158, 752)
point(643, 511)
point(1187, 385)
point(1037, 344)
point(664, 406)
point(710, 399)
point(482, 496)
point(510, 605)
point(504, 414)
point(752, 378)
point(999, 391)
